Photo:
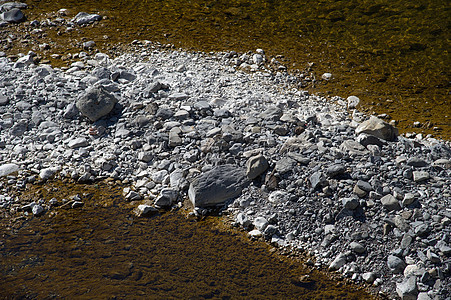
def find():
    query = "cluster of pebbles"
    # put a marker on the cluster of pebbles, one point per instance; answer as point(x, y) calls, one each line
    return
point(295, 169)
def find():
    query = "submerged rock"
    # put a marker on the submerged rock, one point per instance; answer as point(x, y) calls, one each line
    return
point(83, 18)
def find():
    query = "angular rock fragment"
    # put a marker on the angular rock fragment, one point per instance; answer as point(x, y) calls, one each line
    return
point(338, 262)
point(407, 289)
point(378, 128)
point(144, 210)
point(390, 203)
point(217, 185)
point(166, 198)
point(395, 264)
point(255, 166)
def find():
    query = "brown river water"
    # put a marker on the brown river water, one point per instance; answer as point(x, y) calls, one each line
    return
point(102, 251)
point(393, 54)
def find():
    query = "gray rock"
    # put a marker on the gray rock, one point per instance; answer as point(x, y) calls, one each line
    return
point(444, 248)
point(390, 203)
point(37, 210)
point(89, 45)
point(272, 113)
point(395, 264)
point(133, 196)
point(19, 128)
point(409, 198)
point(217, 185)
point(285, 165)
point(47, 173)
point(260, 223)
point(369, 277)
point(144, 210)
point(423, 296)
point(96, 103)
point(407, 239)
point(359, 192)
point(317, 180)
point(7, 169)
point(352, 101)
point(83, 18)
point(127, 75)
point(366, 140)
point(71, 111)
point(3, 100)
point(255, 166)
point(417, 162)
point(10, 5)
point(350, 203)
point(422, 230)
point(202, 106)
point(160, 176)
point(378, 128)
point(365, 186)
point(270, 230)
point(174, 138)
point(419, 176)
point(335, 171)
point(77, 204)
point(166, 197)
point(413, 270)
point(353, 147)
point(164, 113)
point(14, 15)
point(400, 223)
point(442, 162)
point(255, 233)
point(434, 258)
point(178, 96)
point(77, 143)
point(338, 262)
point(145, 156)
point(357, 248)
point(243, 220)
point(20, 63)
point(23, 105)
point(407, 289)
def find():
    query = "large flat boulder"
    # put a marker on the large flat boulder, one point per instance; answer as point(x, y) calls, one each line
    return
point(378, 128)
point(217, 185)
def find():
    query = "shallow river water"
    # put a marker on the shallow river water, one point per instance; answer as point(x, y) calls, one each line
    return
point(102, 251)
point(394, 55)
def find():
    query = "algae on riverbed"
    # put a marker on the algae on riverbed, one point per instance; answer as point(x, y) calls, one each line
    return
point(103, 251)
point(392, 54)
